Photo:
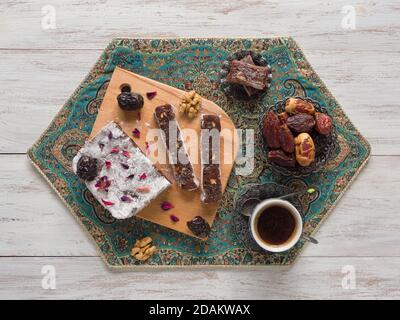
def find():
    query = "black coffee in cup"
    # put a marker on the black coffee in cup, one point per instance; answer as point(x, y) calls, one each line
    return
point(276, 225)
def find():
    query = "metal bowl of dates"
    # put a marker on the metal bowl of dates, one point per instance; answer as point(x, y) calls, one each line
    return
point(326, 146)
point(237, 91)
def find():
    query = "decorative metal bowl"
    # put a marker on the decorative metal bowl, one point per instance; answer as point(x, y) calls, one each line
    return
point(325, 145)
point(236, 90)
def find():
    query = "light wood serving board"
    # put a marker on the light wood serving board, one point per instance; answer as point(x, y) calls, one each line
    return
point(186, 204)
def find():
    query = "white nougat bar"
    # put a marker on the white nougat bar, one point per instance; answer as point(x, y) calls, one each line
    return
point(127, 180)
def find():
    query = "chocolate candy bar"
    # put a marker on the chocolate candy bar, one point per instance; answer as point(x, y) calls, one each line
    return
point(248, 75)
point(211, 190)
point(249, 90)
point(121, 178)
point(179, 159)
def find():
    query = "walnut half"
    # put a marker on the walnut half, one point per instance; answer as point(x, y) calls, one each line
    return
point(143, 249)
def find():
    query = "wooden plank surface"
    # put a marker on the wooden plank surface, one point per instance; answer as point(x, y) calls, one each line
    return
point(41, 68)
point(308, 278)
point(91, 24)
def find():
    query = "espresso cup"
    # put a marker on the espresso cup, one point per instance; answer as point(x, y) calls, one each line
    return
point(262, 210)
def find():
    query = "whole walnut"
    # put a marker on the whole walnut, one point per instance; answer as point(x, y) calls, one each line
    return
point(301, 122)
point(305, 149)
point(286, 139)
point(271, 130)
point(281, 158)
point(296, 105)
point(323, 123)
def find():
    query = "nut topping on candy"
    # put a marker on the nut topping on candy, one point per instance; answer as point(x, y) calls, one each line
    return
point(305, 149)
point(296, 105)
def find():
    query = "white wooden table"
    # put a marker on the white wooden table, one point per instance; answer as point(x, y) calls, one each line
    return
point(40, 68)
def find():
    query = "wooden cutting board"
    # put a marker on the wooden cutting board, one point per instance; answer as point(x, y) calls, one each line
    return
point(186, 204)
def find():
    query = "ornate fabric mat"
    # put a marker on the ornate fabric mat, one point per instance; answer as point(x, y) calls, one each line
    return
point(187, 64)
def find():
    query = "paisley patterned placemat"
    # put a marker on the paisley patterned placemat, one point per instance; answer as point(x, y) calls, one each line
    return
point(195, 64)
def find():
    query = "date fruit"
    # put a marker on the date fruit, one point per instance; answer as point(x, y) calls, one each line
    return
point(296, 105)
point(130, 101)
point(323, 123)
point(283, 116)
point(281, 158)
point(286, 139)
point(87, 168)
point(199, 226)
point(305, 149)
point(301, 122)
point(271, 130)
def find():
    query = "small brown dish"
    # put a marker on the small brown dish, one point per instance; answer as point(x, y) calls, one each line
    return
point(239, 91)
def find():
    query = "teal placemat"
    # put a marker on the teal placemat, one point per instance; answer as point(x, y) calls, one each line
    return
point(195, 64)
